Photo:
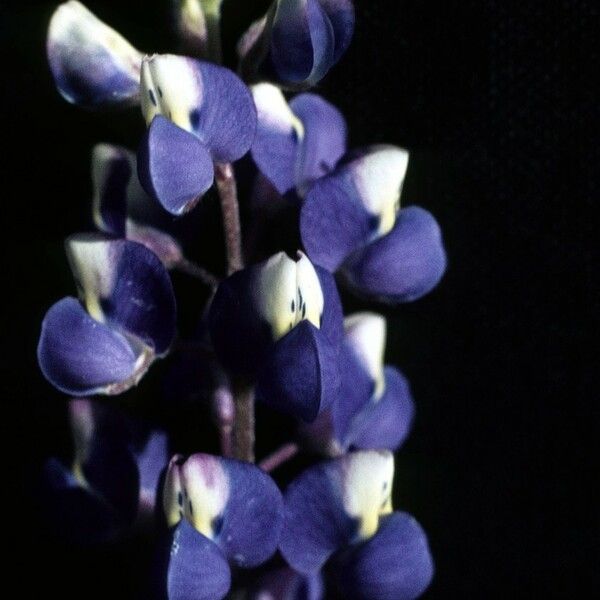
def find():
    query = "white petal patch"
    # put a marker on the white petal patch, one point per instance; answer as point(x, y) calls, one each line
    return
point(365, 332)
point(73, 26)
point(274, 112)
point(93, 268)
point(171, 86)
point(367, 480)
point(378, 176)
point(288, 291)
point(191, 22)
point(205, 487)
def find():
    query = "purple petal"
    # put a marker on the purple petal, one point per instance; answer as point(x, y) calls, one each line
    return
point(74, 513)
point(160, 243)
point(92, 64)
point(111, 173)
point(341, 16)
point(357, 388)
point(174, 166)
point(234, 503)
point(395, 564)
point(286, 584)
point(301, 377)
point(333, 222)
point(125, 284)
point(81, 356)
point(332, 321)
point(204, 99)
point(302, 41)
point(110, 471)
point(257, 306)
point(253, 517)
point(386, 423)
point(151, 460)
point(275, 145)
point(355, 204)
point(403, 265)
point(197, 569)
point(333, 504)
point(324, 140)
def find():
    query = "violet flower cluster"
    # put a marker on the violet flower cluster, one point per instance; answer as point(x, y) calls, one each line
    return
point(273, 331)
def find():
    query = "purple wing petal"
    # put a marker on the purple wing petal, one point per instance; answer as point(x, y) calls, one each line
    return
point(356, 390)
point(253, 516)
point(332, 321)
point(403, 265)
point(324, 140)
point(92, 64)
point(286, 584)
point(301, 376)
point(197, 569)
point(275, 146)
point(73, 513)
point(333, 504)
point(234, 503)
point(111, 173)
point(386, 423)
point(333, 222)
point(151, 460)
point(302, 42)
point(126, 285)
point(341, 17)
point(81, 356)
point(174, 166)
point(395, 564)
point(204, 99)
point(316, 523)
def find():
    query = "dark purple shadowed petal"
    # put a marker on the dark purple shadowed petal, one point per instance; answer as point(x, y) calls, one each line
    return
point(315, 524)
point(301, 376)
point(197, 569)
point(324, 140)
point(403, 265)
point(332, 321)
point(386, 423)
point(73, 513)
point(151, 459)
point(341, 17)
point(357, 388)
point(275, 146)
point(286, 584)
point(162, 244)
point(395, 564)
point(92, 65)
point(174, 166)
point(241, 338)
point(110, 470)
point(253, 517)
point(79, 355)
point(111, 172)
point(333, 222)
point(302, 42)
point(127, 285)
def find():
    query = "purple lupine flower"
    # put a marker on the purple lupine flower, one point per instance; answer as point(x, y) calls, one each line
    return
point(198, 113)
point(286, 584)
point(104, 342)
point(280, 322)
point(221, 512)
point(297, 41)
point(374, 409)
point(113, 478)
point(92, 64)
point(350, 219)
point(338, 515)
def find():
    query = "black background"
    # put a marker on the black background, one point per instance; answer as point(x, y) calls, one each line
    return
point(497, 103)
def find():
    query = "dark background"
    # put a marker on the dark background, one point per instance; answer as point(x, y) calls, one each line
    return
point(497, 103)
